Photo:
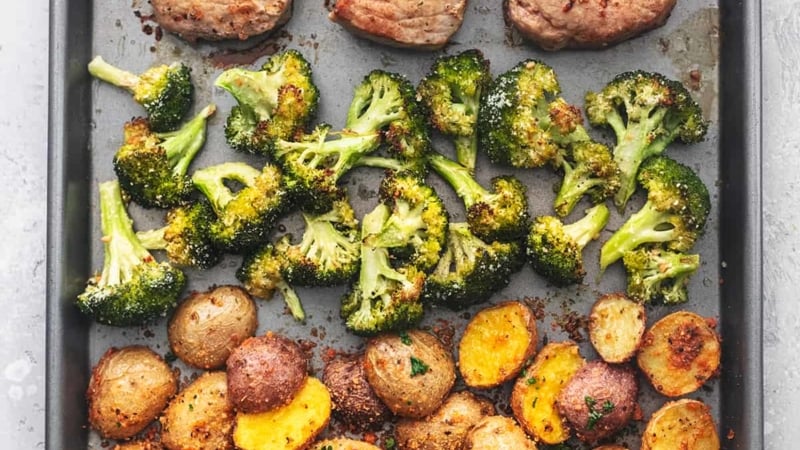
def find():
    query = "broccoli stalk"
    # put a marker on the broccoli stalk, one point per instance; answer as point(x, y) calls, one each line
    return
point(498, 215)
point(245, 218)
point(186, 238)
point(152, 167)
point(452, 93)
point(555, 250)
point(647, 112)
point(133, 287)
point(383, 298)
point(658, 274)
point(471, 270)
point(275, 102)
point(261, 274)
point(588, 168)
point(165, 92)
point(674, 215)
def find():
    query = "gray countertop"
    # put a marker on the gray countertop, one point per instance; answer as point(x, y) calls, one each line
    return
point(23, 164)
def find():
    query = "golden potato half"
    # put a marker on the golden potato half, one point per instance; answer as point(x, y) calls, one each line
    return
point(616, 327)
point(200, 417)
point(497, 433)
point(683, 424)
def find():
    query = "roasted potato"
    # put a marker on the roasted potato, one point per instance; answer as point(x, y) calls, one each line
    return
point(139, 445)
point(265, 372)
point(128, 388)
point(207, 326)
point(684, 424)
point(533, 399)
point(446, 428)
point(200, 417)
point(497, 433)
point(289, 427)
point(343, 444)
point(599, 400)
point(616, 327)
point(411, 372)
point(507, 332)
point(611, 447)
point(354, 401)
point(679, 353)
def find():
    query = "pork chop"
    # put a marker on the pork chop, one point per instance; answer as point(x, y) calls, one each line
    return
point(220, 19)
point(427, 24)
point(555, 24)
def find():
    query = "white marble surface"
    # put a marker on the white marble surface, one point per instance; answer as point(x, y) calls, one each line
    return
point(23, 125)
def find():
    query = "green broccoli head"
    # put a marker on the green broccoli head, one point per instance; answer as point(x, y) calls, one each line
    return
point(187, 236)
point(328, 253)
point(647, 112)
point(164, 91)
point(589, 169)
point(452, 93)
point(383, 298)
point(133, 287)
point(386, 101)
point(523, 122)
point(416, 228)
point(261, 273)
point(276, 102)
point(471, 270)
point(555, 250)
point(657, 274)
point(244, 218)
point(152, 167)
point(499, 214)
point(314, 164)
point(674, 215)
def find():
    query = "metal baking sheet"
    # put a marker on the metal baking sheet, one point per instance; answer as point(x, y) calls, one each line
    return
point(713, 46)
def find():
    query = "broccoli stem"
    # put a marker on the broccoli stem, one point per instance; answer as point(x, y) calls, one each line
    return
point(460, 178)
point(370, 114)
point(399, 228)
point(123, 251)
point(585, 230)
point(467, 150)
point(645, 226)
point(255, 90)
point(346, 151)
point(211, 181)
point(99, 68)
point(182, 145)
point(153, 239)
point(292, 300)
point(381, 163)
point(573, 187)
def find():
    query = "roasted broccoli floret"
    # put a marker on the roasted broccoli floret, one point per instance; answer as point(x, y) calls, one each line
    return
point(416, 229)
point(152, 167)
point(133, 287)
point(314, 164)
point(386, 101)
point(589, 169)
point(471, 270)
point(656, 274)
point(417, 166)
point(523, 122)
point(261, 273)
point(187, 236)
point(244, 218)
point(164, 91)
point(647, 112)
point(452, 94)
point(329, 251)
point(500, 214)
point(275, 102)
point(674, 215)
point(383, 298)
point(555, 250)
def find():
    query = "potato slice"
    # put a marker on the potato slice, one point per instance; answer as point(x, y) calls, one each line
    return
point(679, 353)
point(685, 424)
point(616, 327)
point(536, 390)
point(343, 444)
point(200, 417)
point(507, 333)
point(288, 427)
point(497, 433)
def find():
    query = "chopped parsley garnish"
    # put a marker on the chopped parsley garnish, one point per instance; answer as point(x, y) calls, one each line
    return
point(608, 406)
point(536, 399)
point(531, 381)
point(594, 414)
point(418, 367)
point(405, 338)
point(389, 444)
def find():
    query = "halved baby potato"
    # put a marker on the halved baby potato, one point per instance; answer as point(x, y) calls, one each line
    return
point(496, 344)
point(679, 353)
point(343, 444)
point(684, 424)
point(616, 327)
point(497, 433)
